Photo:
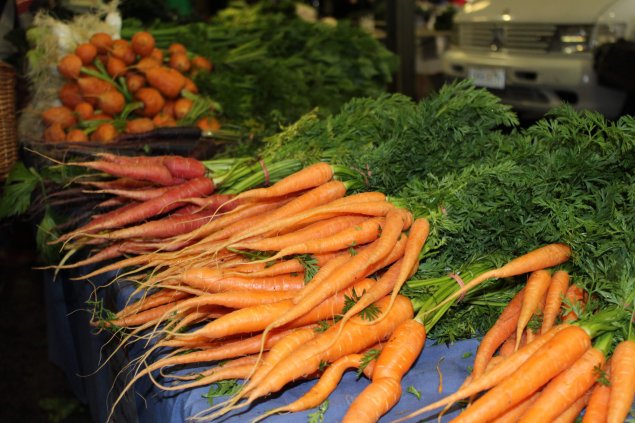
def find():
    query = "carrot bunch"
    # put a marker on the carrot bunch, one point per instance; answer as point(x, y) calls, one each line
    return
point(295, 277)
point(549, 369)
point(116, 86)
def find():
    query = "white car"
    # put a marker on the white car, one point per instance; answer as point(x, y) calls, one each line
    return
point(537, 54)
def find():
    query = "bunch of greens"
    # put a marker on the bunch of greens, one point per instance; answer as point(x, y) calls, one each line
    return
point(271, 67)
point(491, 193)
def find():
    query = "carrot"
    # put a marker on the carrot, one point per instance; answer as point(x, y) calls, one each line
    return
point(147, 63)
point(505, 368)
point(322, 389)
point(182, 107)
point(55, 133)
point(502, 329)
point(76, 135)
point(142, 43)
point(105, 133)
point(513, 414)
point(363, 233)
point(180, 62)
point(309, 177)
point(91, 86)
point(59, 114)
point(553, 301)
point(574, 300)
point(142, 317)
point(571, 414)
point(84, 110)
point(158, 298)
point(123, 50)
point(570, 385)
point(86, 52)
point(207, 279)
point(157, 174)
point(168, 81)
point(163, 204)
point(102, 41)
point(184, 167)
point(256, 318)
point(111, 102)
point(316, 230)
point(207, 123)
point(201, 63)
point(116, 67)
point(143, 194)
point(134, 82)
point(176, 48)
point(304, 360)
point(541, 258)
point(70, 95)
point(558, 354)
point(152, 101)
point(598, 404)
point(622, 380)
point(70, 66)
point(350, 271)
point(161, 120)
point(137, 126)
point(535, 290)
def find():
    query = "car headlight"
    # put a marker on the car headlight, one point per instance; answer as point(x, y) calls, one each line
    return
point(608, 33)
point(572, 39)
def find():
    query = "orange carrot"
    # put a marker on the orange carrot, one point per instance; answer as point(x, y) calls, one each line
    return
point(182, 107)
point(535, 290)
point(86, 52)
point(309, 177)
point(350, 271)
point(105, 133)
point(540, 258)
point(598, 404)
point(502, 371)
point(158, 298)
point(574, 302)
point(137, 126)
point(558, 354)
point(111, 102)
point(206, 279)
point(622, 380)
point(134, 81)
point(102, 41)
point(316, 230)
point(59, 114)
point(322, 389)
point(123, 50)
point(142, 43)
point(553, 301)
point(70, 66)
point(70, 95)
point(76, 135)
point(84, 110)
point(168, 81)
point(152, 101)
point(571, 414)
point(501, 330)
point(513, 414)
point(256, 318)
point(180, 62)
point(91, 86)
point(355, 338)
point(363, 233)
point(566, 388)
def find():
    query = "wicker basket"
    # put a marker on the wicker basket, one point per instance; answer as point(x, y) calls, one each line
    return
point(8, 131)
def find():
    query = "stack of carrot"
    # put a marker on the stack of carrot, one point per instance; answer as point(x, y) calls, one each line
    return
point(281, 286)
point(120, 86)
point(539, 361)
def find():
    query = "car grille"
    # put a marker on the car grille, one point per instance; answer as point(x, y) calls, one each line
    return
point(497, 36)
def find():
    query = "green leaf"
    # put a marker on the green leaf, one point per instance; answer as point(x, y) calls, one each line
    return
point(367, 358)
point(412, 390)
point(310, 264)
point(221, 389)
point(45, 233)
point(318, 415)
point(369, 313)
point(18, 188)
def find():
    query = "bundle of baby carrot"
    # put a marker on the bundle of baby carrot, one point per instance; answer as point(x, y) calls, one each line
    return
point(294, 281)
point(547, 359)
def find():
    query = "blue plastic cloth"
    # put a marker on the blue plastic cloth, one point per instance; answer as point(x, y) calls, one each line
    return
point(76, 348)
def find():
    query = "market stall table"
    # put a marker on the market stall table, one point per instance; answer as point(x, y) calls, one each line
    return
point(78, 349)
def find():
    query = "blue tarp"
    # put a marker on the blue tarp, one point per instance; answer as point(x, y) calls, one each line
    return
point(78, 350)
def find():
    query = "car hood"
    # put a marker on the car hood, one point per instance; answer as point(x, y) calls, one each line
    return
point(534, 11)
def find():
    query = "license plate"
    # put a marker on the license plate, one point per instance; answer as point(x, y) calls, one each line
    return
point(487, 77)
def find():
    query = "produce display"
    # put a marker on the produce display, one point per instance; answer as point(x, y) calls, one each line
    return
point(127, 87)
point(355, 237)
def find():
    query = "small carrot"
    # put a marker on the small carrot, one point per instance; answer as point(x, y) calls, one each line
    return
point(139, 125)
point(535, 290)
point(540, 258)
point(59, 114)
point(571, 414)
point(70, 66)
point(123, 50)
point(70, 95)
point(574, 302)
point(152, 101)
point(134, 81)
point(598, 404)
point(105, 133)
point(143, 43)
point(322, 389)
point(502, 329)
point(553, 301)
point(86, 52)
point(168, 81)
point(513, 414)
point(622, 380)
point(102, 41)
point(206, 279)
point(76, 135)
point(558, 354)
point(180, 62)
point(505, 368)
point(570, 385)
point(84, 110)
